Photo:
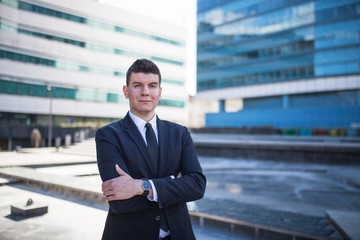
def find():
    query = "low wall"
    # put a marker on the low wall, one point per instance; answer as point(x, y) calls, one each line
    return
point(289, 152)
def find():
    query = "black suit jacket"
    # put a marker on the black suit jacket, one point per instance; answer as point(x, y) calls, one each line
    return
point(138, 218)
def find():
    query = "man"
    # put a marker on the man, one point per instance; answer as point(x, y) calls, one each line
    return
point(35, 138)
point(149, 172)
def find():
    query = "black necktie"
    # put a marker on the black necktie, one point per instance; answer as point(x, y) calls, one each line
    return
point(153, 148)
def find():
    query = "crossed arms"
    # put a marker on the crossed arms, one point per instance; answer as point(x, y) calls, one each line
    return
point(122, 188)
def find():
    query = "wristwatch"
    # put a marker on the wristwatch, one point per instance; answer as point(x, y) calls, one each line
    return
point(146, 185)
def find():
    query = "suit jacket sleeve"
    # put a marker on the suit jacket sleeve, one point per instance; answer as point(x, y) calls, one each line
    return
point(189, 187)
point(109, 153)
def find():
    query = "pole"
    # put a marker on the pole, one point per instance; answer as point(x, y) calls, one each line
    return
point(50, 89)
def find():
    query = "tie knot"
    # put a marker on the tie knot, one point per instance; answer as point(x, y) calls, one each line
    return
point(148, 125)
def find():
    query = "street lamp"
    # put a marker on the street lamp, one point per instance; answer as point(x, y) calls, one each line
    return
point(51, 90)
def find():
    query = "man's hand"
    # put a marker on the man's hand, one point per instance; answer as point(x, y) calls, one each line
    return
point(122, 187)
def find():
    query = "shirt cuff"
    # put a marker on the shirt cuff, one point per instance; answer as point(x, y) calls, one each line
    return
point(155, 196)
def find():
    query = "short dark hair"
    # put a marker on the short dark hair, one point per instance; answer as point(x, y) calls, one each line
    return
point(142, 66)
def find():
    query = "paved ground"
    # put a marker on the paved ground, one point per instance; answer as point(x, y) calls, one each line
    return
point(69, 218)
point(64, 220)
point(258, 191)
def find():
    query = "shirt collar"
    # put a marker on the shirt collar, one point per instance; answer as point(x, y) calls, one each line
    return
point(140, 123)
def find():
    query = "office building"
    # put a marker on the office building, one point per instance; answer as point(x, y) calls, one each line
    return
point(289, 64)
point(70, 58)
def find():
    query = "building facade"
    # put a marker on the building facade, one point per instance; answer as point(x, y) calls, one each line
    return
point(70, 58)
point(292, 64)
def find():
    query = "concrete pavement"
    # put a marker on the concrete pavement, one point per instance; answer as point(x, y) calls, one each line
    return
point(70, 218)
point(65, 219)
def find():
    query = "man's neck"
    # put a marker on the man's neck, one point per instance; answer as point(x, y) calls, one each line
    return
point(145, 117)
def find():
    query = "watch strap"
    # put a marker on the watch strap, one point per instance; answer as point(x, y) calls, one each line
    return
point(145, 193)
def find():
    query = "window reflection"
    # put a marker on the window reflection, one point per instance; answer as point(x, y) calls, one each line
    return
point(252, 42)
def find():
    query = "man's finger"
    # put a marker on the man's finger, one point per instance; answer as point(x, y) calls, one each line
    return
point(109, 198)
point(106, 185)
point(119, 170)
point(108, 193)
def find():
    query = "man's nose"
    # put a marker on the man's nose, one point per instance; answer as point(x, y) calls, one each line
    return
point(145, 90)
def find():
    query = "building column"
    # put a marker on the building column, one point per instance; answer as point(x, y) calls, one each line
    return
point(285, 101)
point(9, 144)
point(222, 105)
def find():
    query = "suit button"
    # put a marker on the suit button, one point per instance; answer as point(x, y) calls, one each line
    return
point(157, 218)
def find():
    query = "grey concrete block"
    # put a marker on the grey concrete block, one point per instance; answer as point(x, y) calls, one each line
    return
point(29, 209)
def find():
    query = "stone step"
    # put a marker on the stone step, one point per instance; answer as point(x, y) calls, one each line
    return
point(258, 218)
point(4, 181)
point(67, 185)
point(346, 223)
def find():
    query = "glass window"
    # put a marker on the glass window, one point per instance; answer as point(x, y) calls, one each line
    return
point(85, 95)
point(100, 96)
point(327, 99)
point(325, 15)
point(352, 67)
point(112, 97)
point(50, 12)
point(302, 72)
point(330, 56)
point(90, 95)
point(263, 103)
point(7, 87)
point(346, 11)
point(70, 93)
point(59, 92)
point(38, 90)
point(233, 48)
point(171, 103)
point(23, 89)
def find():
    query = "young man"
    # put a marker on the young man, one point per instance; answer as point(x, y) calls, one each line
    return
point(149, 172)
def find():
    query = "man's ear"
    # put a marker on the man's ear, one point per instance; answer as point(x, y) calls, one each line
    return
point(126, 92)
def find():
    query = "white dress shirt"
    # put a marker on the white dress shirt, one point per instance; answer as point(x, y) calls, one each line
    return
point(140, 124)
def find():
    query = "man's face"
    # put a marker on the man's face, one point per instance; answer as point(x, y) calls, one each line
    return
point(144, 93)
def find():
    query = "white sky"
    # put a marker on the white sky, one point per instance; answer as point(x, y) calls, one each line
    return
point(169, 10)
point(179, 12)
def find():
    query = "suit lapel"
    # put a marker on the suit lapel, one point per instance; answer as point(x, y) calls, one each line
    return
point(135, 135)
point(162, 135)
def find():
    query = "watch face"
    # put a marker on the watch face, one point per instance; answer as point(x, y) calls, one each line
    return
point(146, 185)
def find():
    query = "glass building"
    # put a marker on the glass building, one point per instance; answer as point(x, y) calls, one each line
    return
point(80, 51)
point(291, 63)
